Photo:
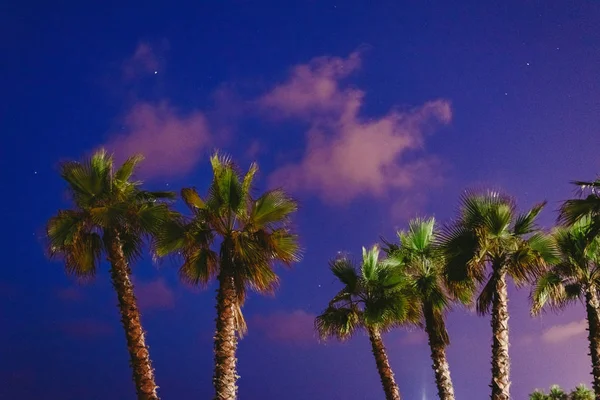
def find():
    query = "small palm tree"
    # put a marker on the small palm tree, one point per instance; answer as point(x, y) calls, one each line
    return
point(581, 392)
point(486, 243)
point(237, 239)
point(376, 298)
point(424, 264)
point(538, 395)
point(111, 215)
point(575, 276)
point(556, 393)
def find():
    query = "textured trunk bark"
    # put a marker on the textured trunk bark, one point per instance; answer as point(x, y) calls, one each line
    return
point(500, 359)
point(143, 374)
point(592, 306)
point(383, 366)
point(436, 331)
point(225, 375)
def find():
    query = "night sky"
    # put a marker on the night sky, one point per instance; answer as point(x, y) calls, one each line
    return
point(368, 112)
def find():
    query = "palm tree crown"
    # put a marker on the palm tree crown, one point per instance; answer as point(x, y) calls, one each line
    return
point(575, 272)
point(489, 233)
point(374, 295)
point(105, 202)
point(424, 264)
point(229, 229)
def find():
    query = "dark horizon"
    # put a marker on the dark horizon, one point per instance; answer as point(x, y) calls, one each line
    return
point(368, 114)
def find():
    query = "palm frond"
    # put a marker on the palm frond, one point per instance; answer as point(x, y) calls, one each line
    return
point(83, 256)
point(369, 264)
point(525, 223)
point(486, 297)
point(63, 228)
point(338, 322)
point(127, 169)
point(549, 290)
point(573, 210)
point(272, 208)
point(199, 267)
point(345, 271)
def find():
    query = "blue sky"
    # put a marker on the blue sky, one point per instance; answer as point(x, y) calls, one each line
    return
point(368, 112)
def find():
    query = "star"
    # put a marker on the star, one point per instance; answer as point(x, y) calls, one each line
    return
point(155, 72)
point(35, 172)
point(528, 64)
point(505, 93)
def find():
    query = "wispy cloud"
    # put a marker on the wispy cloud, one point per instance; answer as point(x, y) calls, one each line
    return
point(348, 156)
point(560, 333)
point(154, 295)
point(172, 141)
point(145, 60)
point(294, 327)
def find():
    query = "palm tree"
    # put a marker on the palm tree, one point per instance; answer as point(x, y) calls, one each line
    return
point(424, 264)
point(486, 243)
point(581, 392)
point(237, 239)
point(538, 395)
point(575, 276)
point(111, 215)
point(376, 298)
point(556, 393)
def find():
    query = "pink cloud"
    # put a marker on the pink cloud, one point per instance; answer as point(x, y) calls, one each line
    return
point(87, 328)
point(348, 156)
point(144, 61)
point(560, 333)
point(296, 327)
point(313, 87)
point(171, 141)
point(154, 295)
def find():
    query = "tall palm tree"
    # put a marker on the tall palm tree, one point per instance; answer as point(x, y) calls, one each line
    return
point(575, 276)
point(487, 242)
point(236, 238)
point(418, 254)
point(111, 215)
point(376, 298)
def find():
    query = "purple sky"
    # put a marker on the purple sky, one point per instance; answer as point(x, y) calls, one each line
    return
point(368, 113)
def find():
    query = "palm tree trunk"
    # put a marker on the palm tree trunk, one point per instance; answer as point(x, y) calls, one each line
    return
point(500, 359)
point(383, 366)
point(143, 374)
point(438, 338)
point(592, 306)
point(225, 375)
